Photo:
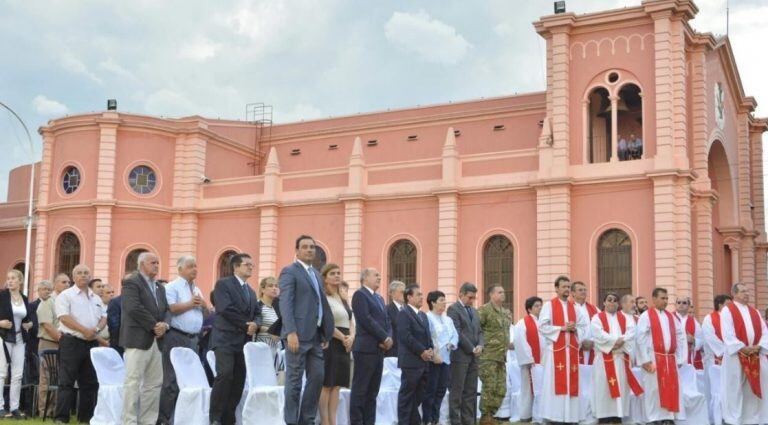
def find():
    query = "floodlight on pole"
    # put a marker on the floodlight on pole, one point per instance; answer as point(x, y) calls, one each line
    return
point(29, 218)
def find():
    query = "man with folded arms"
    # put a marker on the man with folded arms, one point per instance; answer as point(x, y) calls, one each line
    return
point(562, 326)
point(613, 382)
point(746, 342)
point(661, 348)
point(528, 344)
point(692, 331)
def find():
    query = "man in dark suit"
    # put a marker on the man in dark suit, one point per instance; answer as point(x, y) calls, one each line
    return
point(414, 354)
point(462, 399)
point(237, 319)
point(307, 328)
point(113, 322)
point(141, 331)
point(372, 339)
point(396, 303)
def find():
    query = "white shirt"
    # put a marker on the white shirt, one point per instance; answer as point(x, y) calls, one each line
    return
point(713, 346)
point(520, 338)
point(398, 305)
point(415, 310)
point(180, 291)
point(83, 306)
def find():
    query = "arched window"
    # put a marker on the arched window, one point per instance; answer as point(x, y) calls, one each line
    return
point(402, 262)
point(497, 266)
point(320, 258)
point(225, 269)
point(599, 125)
point(614, 264)
point(132, 260)
point(67, 253)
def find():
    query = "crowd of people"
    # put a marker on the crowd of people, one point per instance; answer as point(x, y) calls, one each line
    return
point(323, 340)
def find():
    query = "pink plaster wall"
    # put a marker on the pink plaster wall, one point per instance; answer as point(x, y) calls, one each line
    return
point(13, 243)
point(79, 148)
point(80, 221)
point(589, 65)
point(385, 222)
point(600, 207)
point(18, 182)
point(138, 229)
point(219, 232)
point(323, 222)
point(512, 214)
point(135, 148)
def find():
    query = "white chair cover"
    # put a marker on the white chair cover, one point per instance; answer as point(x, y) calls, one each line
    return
point(537, 376)
point(194, 392)
point(713, 373)
point(585, 395)
point(636, 409)
point(390, 378)
point(509, 407)
point(210, 357)
point(695, 404)
point(264, 400)
point(110, 372)
point(342, 412)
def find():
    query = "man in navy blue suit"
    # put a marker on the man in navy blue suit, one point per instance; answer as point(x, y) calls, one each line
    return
point(373, 338)
point(237, 319)
point(307, 328)
point(413, 357)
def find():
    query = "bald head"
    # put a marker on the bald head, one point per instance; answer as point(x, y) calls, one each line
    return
point(81, 274)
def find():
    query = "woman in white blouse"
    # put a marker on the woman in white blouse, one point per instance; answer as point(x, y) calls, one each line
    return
point(445, 339)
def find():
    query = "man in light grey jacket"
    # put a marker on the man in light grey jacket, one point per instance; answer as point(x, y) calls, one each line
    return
point(462, 401)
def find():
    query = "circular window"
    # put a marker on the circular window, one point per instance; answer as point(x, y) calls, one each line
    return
point(613, 77)
point(142, 180)
point(70, 180)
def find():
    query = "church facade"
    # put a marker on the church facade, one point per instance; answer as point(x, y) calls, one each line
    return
point(639, 166)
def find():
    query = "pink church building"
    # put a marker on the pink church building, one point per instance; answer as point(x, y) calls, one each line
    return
point(639, 166)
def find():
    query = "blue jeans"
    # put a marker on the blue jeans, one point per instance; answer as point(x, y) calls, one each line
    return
point(438, 379)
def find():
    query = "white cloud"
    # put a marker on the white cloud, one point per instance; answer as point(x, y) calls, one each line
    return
point(72, 64)
point(49, 107)
point(433, 40)
point(112, 66)
point(199, 49)
point(300, 112)
point(167, 102)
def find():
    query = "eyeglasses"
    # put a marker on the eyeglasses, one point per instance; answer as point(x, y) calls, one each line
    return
point(683, 302)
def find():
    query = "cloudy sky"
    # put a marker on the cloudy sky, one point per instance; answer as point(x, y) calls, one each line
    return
point(307, 58)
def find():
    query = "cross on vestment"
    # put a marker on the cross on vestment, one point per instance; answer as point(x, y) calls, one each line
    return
point(574, 368)
point(612, 381)
point(560, 366)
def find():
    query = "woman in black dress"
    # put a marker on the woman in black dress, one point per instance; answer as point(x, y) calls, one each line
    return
point(336, 356)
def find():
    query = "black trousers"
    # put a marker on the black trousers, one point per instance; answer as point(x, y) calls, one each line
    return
point(227, 386)
point(413, 384)
point(170, 392)
point(75, 366)
point(365, 388)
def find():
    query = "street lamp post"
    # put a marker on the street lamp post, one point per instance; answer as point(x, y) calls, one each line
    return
point(29, 218)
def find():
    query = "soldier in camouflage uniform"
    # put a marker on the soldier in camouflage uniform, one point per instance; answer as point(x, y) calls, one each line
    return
point(494, 321)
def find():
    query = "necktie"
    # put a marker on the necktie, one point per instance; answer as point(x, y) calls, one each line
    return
point(246, 294)
point(316, 287)
point(153, 290)
point(379, 301)
point(469, 312)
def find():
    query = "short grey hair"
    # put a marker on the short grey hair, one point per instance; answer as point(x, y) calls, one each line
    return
point(736, 288)
point(626, 297)
point(396, 285)
point(143, 256)
point(61, 276)
point(183, 260)
point(44, 284)
point(686, 298)
point(366, 271)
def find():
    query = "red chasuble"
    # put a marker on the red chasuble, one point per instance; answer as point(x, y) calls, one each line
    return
point(561, 361)
point(591, 311)
point(750, 365)
point(666, 365)
point(715, 317)
point(610, 366)
point(532, 336)
point(694, 357)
